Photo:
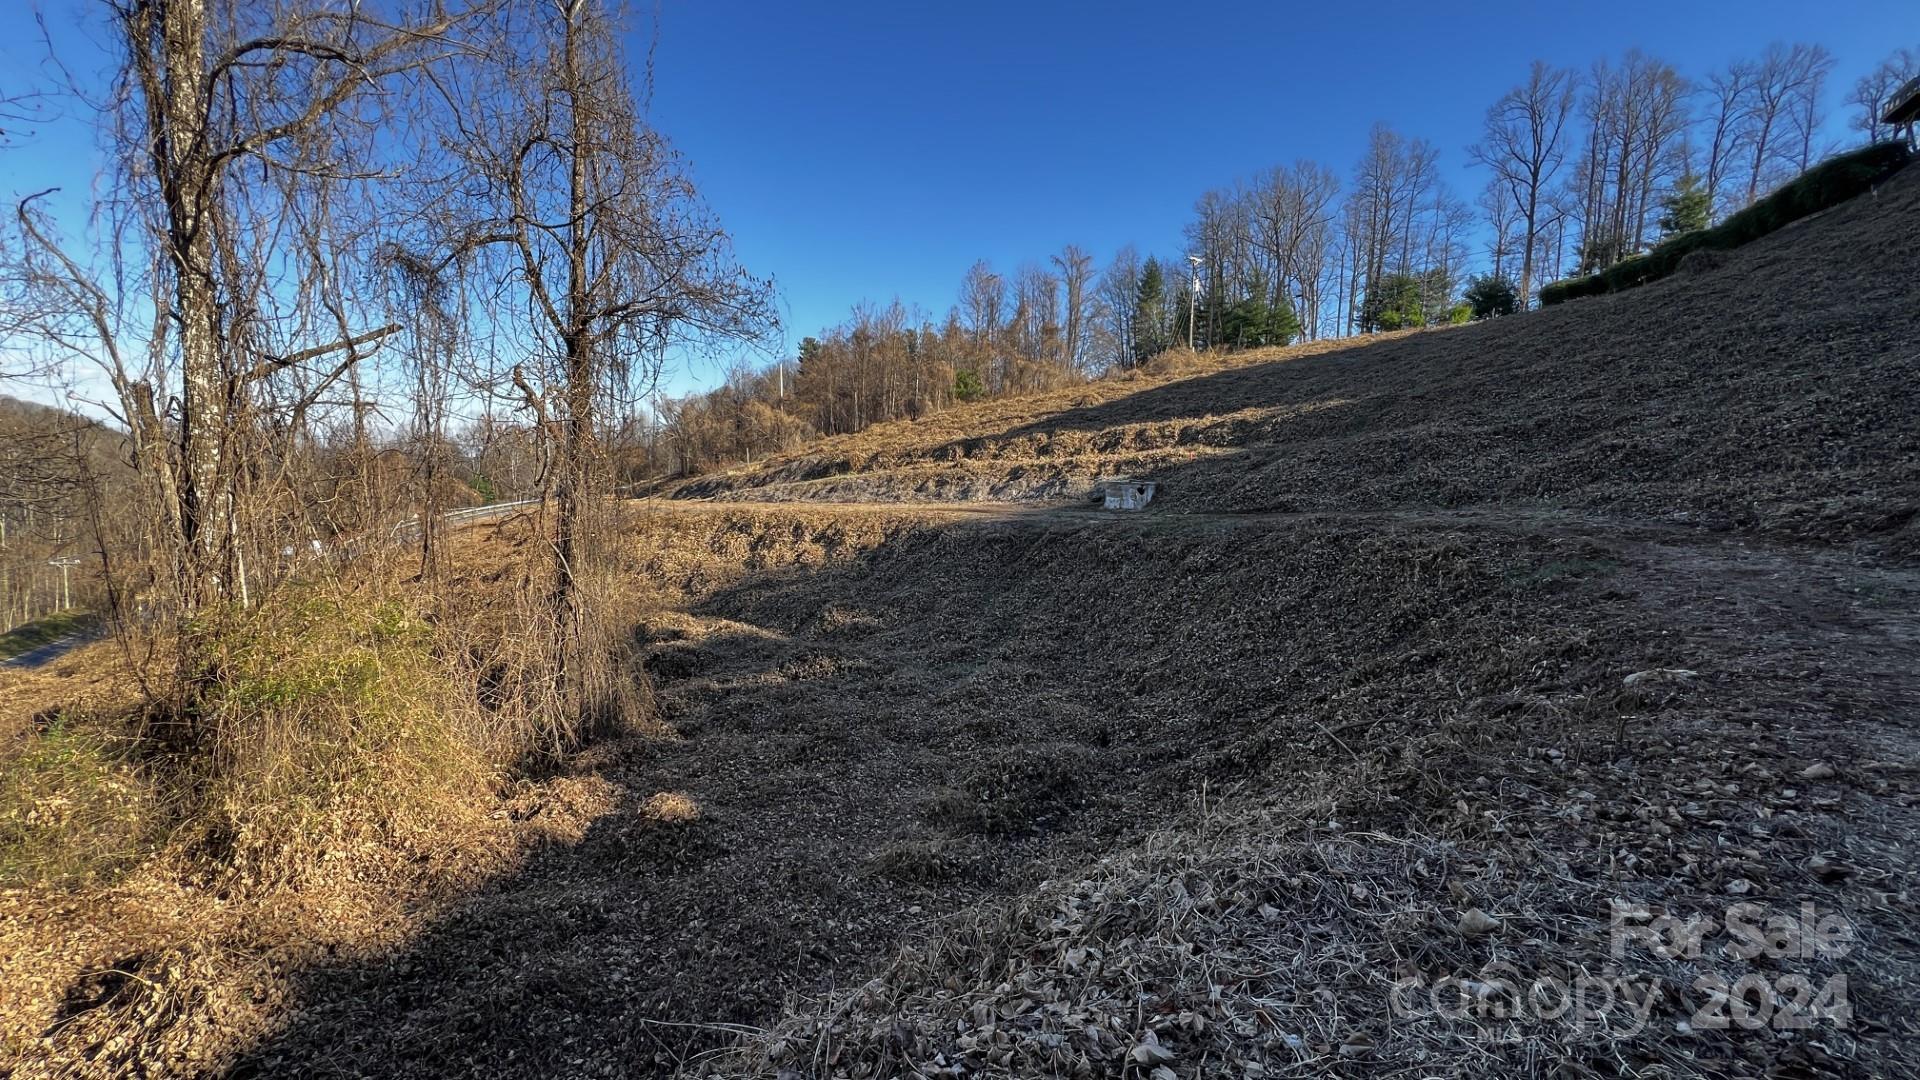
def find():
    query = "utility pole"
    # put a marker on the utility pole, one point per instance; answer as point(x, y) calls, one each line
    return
point(653, 425)
point(1193, 298)
point(66, 592)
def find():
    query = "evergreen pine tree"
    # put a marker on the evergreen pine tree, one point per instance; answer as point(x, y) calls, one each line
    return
point(1253, 323)
point(1149, 302)
point(1687, 206)
point(1488, 296)
point(810, 350)
point(1398, 301)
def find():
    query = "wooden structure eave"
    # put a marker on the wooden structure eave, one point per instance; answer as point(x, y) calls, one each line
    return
point(1905, 107)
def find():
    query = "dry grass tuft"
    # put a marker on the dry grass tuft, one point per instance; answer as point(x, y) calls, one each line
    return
point(333, 715)
point(672, 808)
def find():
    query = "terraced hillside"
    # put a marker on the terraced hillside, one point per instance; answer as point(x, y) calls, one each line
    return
point(1775, 393)
point(1010, 789)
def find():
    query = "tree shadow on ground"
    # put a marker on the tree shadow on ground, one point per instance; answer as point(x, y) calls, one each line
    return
point(1294, 385)
point(876, 752)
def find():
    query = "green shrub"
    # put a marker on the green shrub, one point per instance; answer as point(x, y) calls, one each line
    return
point(1489, 296)
point(967, 386)
point(1827, 184)
point(326, 708)
point(72, 809)
point(1401, 301)
point(324, 720)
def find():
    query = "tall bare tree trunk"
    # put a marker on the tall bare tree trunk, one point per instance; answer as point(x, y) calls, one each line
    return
point(173, 86)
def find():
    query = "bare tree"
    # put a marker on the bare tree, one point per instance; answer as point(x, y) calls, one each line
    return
point(983, 295)
point(1390, 218)
point(431, 348)
point(589, 212)
point(1075, 267)
point(1525, 143)
point(241, 134)
point(1637, 127)
point(1119, 290)
point(1729, 92)
point(1806, 117)
point(1502, 218)
point(1291, 215)
point(1036, 318)
point(1658, 155)
point(1220, 235)
point(1782, 111)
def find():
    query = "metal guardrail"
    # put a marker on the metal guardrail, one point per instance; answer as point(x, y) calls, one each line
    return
point(409, 528)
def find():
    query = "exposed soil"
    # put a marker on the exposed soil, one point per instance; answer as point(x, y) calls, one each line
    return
point(889, 717)
point(1615, 600)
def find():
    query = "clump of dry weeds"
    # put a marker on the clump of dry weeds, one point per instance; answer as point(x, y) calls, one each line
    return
point(74, 807)
point(328, 717)
point(165, 873)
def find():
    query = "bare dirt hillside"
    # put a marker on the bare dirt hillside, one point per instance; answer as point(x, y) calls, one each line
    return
point(1222, 778)
point(1438, 652)
point(1436, 648)
point(1775, 393)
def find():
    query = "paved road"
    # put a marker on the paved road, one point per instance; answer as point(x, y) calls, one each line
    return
point(51, 651)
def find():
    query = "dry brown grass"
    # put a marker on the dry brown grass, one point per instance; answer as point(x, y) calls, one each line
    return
point(672, 808)
point(342, 777)
point(89, 679)
point(889, 445)
point(336, 719)
point(73, 807)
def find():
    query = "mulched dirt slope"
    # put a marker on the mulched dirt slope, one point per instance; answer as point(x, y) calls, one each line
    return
point(1778, 392)
point(890, 716)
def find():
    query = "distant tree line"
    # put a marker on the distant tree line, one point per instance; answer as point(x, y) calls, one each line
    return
point(1584, 169)
point(63, 487)
point(368, 294)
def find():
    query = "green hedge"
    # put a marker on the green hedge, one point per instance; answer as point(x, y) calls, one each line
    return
point(1829, 183)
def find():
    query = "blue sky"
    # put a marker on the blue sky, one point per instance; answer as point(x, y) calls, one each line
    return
point(866, 150)
point(873, 149)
